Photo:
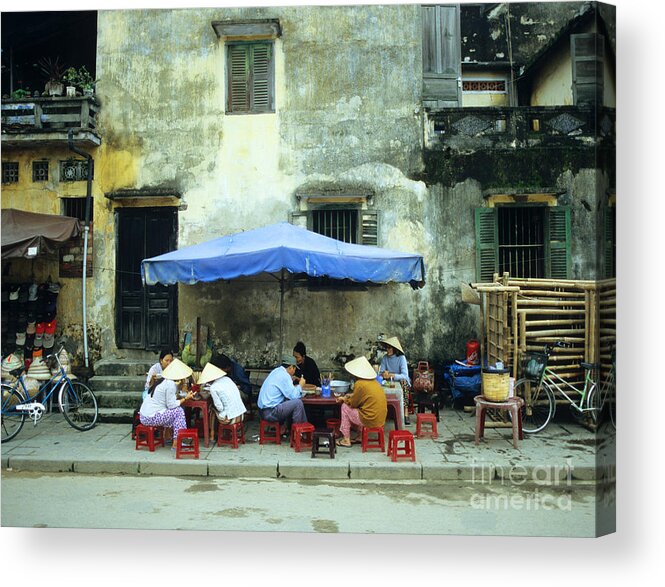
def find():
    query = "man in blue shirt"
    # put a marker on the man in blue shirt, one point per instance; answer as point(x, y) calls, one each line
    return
point(279, 400)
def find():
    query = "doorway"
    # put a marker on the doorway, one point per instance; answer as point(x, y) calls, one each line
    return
point(146, 317)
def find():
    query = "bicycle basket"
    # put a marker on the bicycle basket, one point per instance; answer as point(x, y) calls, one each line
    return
point(534, 365)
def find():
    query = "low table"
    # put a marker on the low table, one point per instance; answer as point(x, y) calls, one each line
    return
point(201, 404)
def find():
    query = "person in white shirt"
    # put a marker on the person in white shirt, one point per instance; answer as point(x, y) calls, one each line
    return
point(161, 407)
point(227, 402)
point(165, 358)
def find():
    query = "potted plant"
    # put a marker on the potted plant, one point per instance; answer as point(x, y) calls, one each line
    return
point(53, 70)
point(80, 78)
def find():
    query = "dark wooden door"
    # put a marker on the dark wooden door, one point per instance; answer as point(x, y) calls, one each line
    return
point(146, 317)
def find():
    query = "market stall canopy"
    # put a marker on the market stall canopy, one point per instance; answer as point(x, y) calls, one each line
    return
point(27, 234)
point(278, 247)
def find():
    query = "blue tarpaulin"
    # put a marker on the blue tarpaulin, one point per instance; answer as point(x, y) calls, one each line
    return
point(278, 247)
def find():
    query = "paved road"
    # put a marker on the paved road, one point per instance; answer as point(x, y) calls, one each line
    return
point(416, 507)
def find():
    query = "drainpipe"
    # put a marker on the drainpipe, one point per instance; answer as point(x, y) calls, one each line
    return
point(86, 230)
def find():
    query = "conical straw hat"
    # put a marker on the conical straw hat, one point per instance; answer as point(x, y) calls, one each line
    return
point(393, 342)
point(360, 368)
point(210, 373)
point(176, 371)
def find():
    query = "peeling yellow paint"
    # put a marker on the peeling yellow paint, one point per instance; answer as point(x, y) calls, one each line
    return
point(549, 199)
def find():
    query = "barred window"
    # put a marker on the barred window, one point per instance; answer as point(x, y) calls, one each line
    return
point(486, 86)
point(75, 207)
point(40, 171)
point(9, 172)
point(75, 170)
point(341, 225)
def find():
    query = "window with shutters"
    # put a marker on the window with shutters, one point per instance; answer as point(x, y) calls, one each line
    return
point(587, 51)
point(348, 224)
point(250, 78)
point(441, 40)
point(524, 241)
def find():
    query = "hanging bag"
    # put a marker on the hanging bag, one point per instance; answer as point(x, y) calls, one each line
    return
point(423, 378)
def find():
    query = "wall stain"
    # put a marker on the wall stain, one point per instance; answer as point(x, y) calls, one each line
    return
point(325, 526)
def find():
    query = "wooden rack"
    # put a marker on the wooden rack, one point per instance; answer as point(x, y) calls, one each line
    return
point(522, 315)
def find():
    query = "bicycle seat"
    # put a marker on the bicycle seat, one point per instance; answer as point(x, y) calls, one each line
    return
point(590, 365)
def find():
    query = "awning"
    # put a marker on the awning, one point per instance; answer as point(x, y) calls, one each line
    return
point(27, 234)
point(278, 247)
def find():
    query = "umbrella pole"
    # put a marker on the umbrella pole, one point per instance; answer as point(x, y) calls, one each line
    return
point(281, 315)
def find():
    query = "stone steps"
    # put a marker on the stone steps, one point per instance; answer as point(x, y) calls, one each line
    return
point(126, 383)
point(118, 399)
point(121, 367)
point(116, 415)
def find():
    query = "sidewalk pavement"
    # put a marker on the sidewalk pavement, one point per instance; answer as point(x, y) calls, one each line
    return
point(564, 451)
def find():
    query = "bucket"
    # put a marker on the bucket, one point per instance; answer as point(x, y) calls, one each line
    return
point(496, 384)
point(472, 352)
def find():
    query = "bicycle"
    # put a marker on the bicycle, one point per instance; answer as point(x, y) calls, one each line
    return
point(538, 389)
point(77, 402)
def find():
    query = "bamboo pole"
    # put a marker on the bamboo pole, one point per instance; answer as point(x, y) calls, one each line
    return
point(553, 294)
point(556, 332)
point(553, 303)
point(556, 322)
point(514, 327)
point(551, 311)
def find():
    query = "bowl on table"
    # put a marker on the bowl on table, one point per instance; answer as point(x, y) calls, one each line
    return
point(339, 387)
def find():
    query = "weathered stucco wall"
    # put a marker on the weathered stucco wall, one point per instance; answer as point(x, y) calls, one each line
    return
point(347, 86)
point(359, 124)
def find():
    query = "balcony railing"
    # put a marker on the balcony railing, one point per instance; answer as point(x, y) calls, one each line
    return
point(48, 120)
point(518, 127)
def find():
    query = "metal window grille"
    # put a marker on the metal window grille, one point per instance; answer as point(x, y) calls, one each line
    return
point(9, 172)
point(522, 241)
point(485, 86)
point(338, 224)
point(40, 171)
point(75, 170)
point(75, 207)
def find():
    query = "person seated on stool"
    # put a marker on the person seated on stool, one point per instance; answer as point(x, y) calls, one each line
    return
point(161, 407)
point(236, 373)
point(227, 404)
point(279, 399)
point(155, 372)
point(366, 406)
point(395, 368)
point(306, 366)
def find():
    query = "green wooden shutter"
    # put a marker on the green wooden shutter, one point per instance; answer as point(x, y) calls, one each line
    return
point(610, 241)
point(369, 227)
point(587, 61)
point(487, 244)
point(557, 245)
point(441, 47)
point(237, 67)
point(261, 87)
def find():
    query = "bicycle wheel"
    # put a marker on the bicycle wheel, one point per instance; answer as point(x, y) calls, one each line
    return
point(12, 419)
point(539, 405)
point(78, 405)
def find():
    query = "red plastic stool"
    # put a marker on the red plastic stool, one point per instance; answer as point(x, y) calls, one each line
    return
point(235, 436)
point(149, 436)
point(378, 442)
point(302, 435)
point(265, 434)
point(408, 448)
point(187, 450)
point(427, 419)
point(333, 424)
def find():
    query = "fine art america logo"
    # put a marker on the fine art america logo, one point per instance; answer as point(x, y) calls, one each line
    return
point(545, 487)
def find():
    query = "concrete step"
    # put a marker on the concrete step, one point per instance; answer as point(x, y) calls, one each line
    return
point(116, 415)
point(117, 383)
point(118, 367)
point(118, 399)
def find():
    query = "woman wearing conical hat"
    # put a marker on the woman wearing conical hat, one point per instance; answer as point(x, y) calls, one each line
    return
point(227, 403)
point(366, 406)
point(161, 407)
point(393, 367)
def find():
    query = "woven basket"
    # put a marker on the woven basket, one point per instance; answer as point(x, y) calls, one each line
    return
point(496, 384)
